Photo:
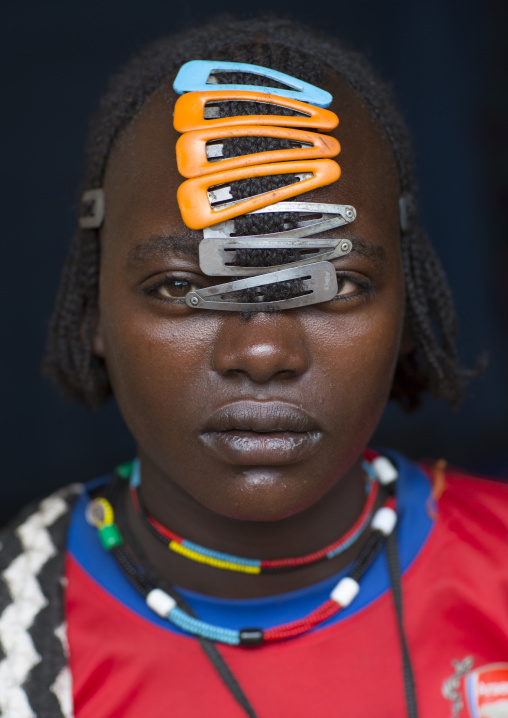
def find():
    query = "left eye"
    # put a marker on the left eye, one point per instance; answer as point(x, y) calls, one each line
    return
point(175, 288)
point(346, 286)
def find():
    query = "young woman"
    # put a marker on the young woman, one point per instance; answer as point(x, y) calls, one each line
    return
point(257, 558)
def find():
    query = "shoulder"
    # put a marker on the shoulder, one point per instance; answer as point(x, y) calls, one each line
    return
point(32, 541)
point(32, 633)
point(474, 508)
point(32, 548)
point(39, 521)
point(476, 495)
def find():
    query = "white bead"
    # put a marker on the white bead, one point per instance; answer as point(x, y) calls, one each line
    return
point(89, 515)
point(345, 591)
point(385, 470)
point(160, 602)
point(384, 520)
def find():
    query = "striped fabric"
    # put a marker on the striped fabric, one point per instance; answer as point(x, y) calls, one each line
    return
point(34, 676)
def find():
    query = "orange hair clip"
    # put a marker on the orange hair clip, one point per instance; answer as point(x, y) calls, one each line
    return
point(192, 113)
point(193, 154)
point(202, 207)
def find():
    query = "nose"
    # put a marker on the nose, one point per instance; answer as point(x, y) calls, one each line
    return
point(263, 348)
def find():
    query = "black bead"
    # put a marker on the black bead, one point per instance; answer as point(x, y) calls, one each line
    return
point(251, 637)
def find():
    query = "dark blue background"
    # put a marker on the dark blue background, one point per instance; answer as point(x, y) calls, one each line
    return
point(447, 61)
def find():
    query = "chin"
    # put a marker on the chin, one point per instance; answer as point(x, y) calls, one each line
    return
point(263, 495)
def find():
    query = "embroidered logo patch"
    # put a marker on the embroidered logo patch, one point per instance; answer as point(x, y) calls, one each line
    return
point(487, 691)
point(452, 686)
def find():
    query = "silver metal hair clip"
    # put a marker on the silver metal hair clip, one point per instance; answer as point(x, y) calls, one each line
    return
point(93, 203)
point(216, 256)
point(318, 284)
point(403, 212)
point(318, 280)
point(322, 217)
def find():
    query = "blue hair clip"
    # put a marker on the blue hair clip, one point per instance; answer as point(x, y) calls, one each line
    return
point(198, 76)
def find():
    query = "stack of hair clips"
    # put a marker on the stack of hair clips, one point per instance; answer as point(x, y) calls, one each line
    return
point(204, 199)
point(297, 148)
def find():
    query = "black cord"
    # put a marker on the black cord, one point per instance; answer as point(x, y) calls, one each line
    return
point(392, 556)
point(227, 676)
point(209, 648)
point(134, 575)
point(369, 553)
point(367, 556)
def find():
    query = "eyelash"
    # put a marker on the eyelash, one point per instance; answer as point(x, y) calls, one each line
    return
point(364, 288)
point(152, 290)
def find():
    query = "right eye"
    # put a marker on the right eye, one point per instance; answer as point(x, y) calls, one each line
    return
point(173, 288)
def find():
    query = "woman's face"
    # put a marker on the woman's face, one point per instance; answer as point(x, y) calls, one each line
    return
point(253, 419)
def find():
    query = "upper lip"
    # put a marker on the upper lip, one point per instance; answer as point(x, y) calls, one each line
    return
point(262, 417)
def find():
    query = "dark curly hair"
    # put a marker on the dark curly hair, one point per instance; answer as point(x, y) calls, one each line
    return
point(295, 49)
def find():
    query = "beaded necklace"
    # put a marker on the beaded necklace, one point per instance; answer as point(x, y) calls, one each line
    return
point(377, 472)
point(101, 514)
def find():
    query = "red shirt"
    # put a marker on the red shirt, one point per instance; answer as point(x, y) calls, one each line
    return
point(126, 662)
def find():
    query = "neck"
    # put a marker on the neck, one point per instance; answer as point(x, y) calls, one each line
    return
point(307, 531)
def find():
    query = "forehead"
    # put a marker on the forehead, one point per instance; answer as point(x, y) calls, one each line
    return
point(142, 179)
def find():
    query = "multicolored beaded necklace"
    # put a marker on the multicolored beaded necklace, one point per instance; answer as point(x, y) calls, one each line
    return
point(101, 514)
point(229, 562)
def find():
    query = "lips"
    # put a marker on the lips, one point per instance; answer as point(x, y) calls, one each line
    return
point(261, 433)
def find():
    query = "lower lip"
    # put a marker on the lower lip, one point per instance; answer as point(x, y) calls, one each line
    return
point(250, 448)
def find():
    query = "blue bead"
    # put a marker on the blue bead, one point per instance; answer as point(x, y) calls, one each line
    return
point(345, 545)
point(193, 76)
point(200, 628)
point(221, 556)
point(135, 478)
point(369, 470)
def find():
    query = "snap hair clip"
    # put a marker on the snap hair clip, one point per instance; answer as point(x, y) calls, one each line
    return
point(316, 217)
point(201, 152)
point(404, 211)
point(92, 209)
point(200, 111)
point(317, 283)
point(203, 201)
point(197, 75)
point(217, 257)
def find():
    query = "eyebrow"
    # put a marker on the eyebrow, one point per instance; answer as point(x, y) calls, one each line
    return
point(368, 250)
point(159, 247)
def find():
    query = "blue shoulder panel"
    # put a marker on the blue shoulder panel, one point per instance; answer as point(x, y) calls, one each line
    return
point(193, 76)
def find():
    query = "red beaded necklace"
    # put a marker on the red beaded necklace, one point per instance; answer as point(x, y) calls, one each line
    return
point(230, 562)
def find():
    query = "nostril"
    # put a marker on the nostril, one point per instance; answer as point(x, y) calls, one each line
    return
point(287, 374)
point(261, 362)
point(261, 347)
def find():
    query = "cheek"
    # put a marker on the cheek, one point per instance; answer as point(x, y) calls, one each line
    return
point(161, 370)
point(357, 354)
point(156, 367)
